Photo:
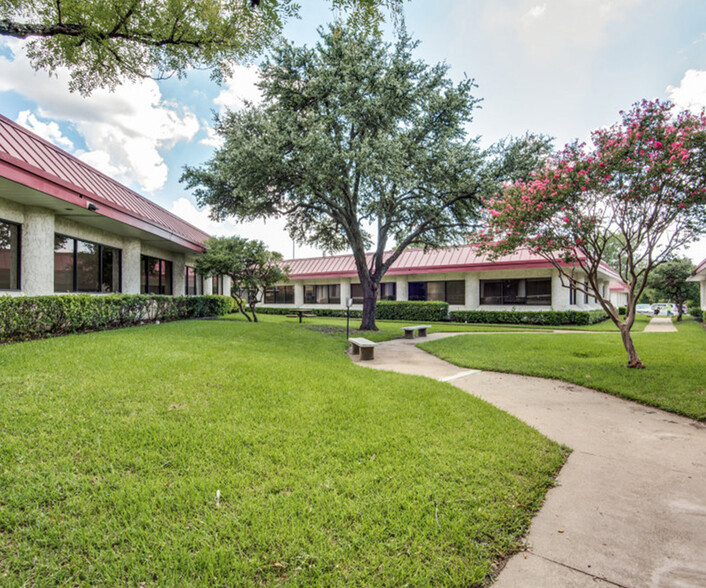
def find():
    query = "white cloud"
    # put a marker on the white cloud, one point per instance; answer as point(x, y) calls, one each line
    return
point(124, 130)
point(691, 92)
point(49, 131)
point(537, 11)
point(240, 88)
point(213, 139)
point(272, 232)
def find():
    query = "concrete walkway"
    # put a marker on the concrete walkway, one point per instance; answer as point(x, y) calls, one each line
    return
point(660, 324)
point(629, 509)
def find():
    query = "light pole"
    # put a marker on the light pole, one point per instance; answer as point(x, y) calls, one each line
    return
point(349, 302)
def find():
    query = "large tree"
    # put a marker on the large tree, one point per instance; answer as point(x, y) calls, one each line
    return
point(669, 283)
point(637, 197)
point(358, 145)
point(104, 42)
point(251, 268)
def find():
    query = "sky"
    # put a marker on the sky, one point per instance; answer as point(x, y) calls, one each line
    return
point(558, 67)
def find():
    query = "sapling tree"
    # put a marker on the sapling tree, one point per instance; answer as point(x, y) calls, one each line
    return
point(358, 145)
point(669, 283)
point(638, 196)
point(250, 266)
point(103, 43)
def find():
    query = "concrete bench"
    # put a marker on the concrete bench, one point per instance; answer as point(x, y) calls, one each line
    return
point(409, 331)
point(363, 346)
point(299, 314)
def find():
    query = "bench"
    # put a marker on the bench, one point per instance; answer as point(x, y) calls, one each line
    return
point(363, 346)
point(299, 314)
point(409, 331)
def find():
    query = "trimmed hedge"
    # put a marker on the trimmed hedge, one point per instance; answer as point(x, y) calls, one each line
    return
point(697, 313)
point(398, 310)
point(23, 318)
point(511, 317)
point(393, 310)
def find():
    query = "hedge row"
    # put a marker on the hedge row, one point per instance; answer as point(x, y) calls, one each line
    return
point(24, 318)
point(548, 317)
point(385, 310)
point(697, 313)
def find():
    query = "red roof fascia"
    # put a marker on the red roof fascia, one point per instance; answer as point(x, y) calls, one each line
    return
point(700, 268)
point(168, 226)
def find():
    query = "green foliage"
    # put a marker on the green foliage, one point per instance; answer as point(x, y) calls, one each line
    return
point(105, 43)
point(23, 318)
point(547, 317)
point(697, 313)
point(115, 444)
point(248, 263)
point(668, 280)
point(622, 310)
point(333, 312)
point(412, 311)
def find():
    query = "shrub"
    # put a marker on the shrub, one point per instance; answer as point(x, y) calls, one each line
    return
point(512, 317)
point(412, 311)
point(23, 318)
point(622, 310)
point(385, 310)
point(697, 313)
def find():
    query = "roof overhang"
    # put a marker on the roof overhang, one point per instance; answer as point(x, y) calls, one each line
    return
point(32, 187)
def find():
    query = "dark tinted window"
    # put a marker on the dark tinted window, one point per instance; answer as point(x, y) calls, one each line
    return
point(156, 276)
point(9, 256)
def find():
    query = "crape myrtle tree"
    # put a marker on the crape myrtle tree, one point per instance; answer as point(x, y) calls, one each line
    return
point(104, 42)
point(250, 266)
point(638, 195)
point(357, 145)
point(669, 283)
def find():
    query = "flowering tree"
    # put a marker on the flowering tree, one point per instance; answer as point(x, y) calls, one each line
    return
point(642, 187)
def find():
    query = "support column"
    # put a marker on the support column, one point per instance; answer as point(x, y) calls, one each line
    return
point(402, 286)
point(132, 266)
point(178, 277)
point(38, 252)
point(298, 294)
point(226, 285)
point(560, 294)
point(703, 294)
point(345, 291)
point(208, 285)
point(472, 291)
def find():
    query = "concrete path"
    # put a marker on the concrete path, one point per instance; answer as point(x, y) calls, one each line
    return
point(629, 509)
point(660, 324)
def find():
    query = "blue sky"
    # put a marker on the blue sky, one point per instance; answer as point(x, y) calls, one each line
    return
point(560, 67)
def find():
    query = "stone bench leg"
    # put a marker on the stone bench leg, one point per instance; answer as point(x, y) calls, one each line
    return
point(409, 334)
point(355, 350)
point(422, 332)
point(367, 353)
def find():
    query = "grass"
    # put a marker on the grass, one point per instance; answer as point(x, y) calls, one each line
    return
point(674, 378)
point(115, 444)
point(391, 329)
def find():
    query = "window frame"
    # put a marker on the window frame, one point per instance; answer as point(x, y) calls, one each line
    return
point(198, 281)
point(446, 290)
point(18, 255)
point(144, 273)
point(517, 301)
point(101, 248)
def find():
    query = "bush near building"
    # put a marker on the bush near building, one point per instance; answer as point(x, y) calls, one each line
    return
point(34, 317)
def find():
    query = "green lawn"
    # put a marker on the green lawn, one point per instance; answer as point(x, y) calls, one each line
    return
point(113, 446)
point(674, 379)
point(391, 329)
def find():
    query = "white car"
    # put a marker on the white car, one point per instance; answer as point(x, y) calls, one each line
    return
point(644, 309)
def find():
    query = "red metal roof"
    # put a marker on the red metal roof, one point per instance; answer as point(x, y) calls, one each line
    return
point(30, 160)
point(449, 259)
point(619, 287)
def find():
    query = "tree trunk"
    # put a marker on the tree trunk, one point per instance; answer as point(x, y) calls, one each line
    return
point(370, 292)
point(241, 309)
point(679, 312)
point(633, 359)
point(252, 309)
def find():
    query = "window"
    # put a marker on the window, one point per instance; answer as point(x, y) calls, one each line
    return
point(193, 282)
point(9, 256)
point(279, 295)
point(386, 291)
point(530, 292)
point(452, 291)
point(156, 276)
point(585, 294)
point(82, 266)
point(217, 285)
point(322, 294)
point(572, 293)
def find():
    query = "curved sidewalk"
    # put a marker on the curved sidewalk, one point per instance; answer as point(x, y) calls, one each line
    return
point(629, 508)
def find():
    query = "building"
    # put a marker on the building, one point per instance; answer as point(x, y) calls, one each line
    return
point(700, 276)
point(619, 293)
point(66, 227)
point(460, 276)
